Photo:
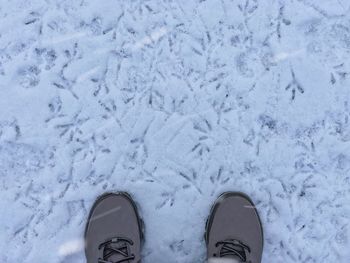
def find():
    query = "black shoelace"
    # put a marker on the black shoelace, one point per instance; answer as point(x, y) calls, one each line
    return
point(232, 247)
point(116, 246)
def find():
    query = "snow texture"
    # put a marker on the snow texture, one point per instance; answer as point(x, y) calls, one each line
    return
point(175, 102)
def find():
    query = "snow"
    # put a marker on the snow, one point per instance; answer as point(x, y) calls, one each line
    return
point(175, 102)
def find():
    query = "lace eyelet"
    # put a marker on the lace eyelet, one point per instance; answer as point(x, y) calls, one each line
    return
point(232, 247)
point(109, 248)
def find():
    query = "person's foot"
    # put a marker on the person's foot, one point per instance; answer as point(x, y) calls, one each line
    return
point(233, 230)
point(114, 230)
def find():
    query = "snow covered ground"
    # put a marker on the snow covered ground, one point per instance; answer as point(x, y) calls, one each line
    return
point(175, 102)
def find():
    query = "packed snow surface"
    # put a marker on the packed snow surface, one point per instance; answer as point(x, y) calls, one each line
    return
point(175, 102)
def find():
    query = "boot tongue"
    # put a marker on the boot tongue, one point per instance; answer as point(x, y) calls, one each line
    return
point(116, 257)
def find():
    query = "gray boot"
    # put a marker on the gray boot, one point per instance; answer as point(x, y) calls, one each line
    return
point(233, 230)
point(114, 230)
